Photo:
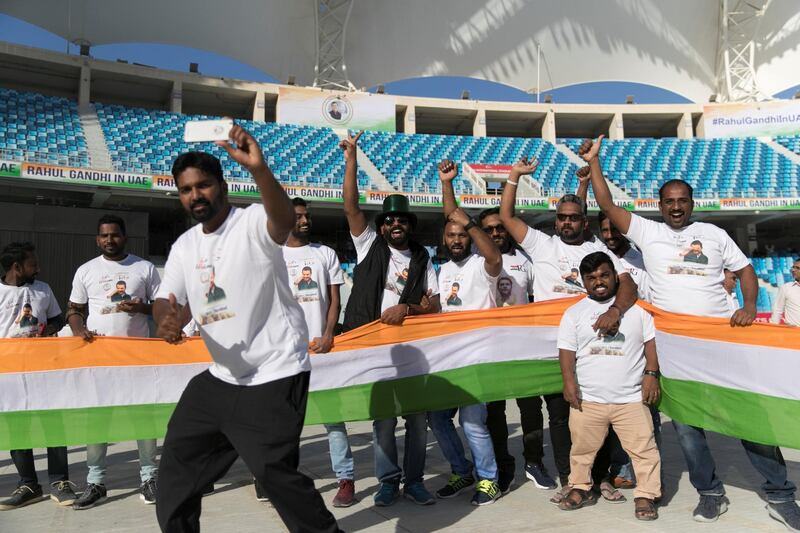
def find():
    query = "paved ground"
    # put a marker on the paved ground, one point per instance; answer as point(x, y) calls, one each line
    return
point(233, 507)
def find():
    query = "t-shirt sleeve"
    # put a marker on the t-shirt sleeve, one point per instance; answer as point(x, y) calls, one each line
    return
point(532, 239)
point(432, 280)
point(363, 242)
point(648, 326)
point(153, 283)
point(174, 281)
point(53, 309)
point(567, 333)
point(639, 230)
point(490, 280)
point(78, 294)
point(732, 256)
point(257, 227)
point(335, 274)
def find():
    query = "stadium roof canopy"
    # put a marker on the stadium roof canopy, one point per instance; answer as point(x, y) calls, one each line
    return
point(673, 45)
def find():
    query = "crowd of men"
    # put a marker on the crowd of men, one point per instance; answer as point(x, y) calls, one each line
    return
point(263, 296)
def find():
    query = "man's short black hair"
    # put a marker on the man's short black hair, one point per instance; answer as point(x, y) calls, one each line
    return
point(487, 212)
point(593, 261)
point(675, 182)
point(601, 216)
point(698, 243)
point(306, 269)
point(455, 284)
point(205, 163)
point(299, 201)
point(15, 252)
point(112, 219)
point(122, 282)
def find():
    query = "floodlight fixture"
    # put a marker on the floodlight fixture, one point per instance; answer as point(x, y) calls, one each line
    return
point(292, 80)
point(193, 67)
point(713, 98)
point(548, 99)
point(629, 99)
point(380, 89)
point(465, 95)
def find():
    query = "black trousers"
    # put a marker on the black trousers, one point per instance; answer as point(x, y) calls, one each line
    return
point(216, 422)
point(532, 432)
point(57, 467)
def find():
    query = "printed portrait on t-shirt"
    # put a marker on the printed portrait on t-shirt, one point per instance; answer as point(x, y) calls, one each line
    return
point(452, 298)
point(306, 282)
point(570, 278)
point(690, 259)
point(402, 278)
point(304, 287)
point(119, 294)
point(27, 325)
point(695, 254)
point(608, 345)
point(216, 308)
point(505, 286)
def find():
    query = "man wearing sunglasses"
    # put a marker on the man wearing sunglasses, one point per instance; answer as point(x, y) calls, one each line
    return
point(553, 258)
point(383, 254)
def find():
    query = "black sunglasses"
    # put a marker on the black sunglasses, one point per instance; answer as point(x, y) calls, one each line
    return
point(391, 219)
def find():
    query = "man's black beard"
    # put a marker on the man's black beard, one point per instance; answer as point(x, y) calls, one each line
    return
point(577, 239)
point(301, 235)
point(211, 212)
point(460, 256)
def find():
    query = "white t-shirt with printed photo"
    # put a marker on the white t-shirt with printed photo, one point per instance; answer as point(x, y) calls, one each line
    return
point(237, 286)
point(608, 369)
point(466, 286)
point(104, 284)
point(556, 263)
point(685, 267)
point(24, 310)
point(312, 268)
point(515, 282)
point(397, 273)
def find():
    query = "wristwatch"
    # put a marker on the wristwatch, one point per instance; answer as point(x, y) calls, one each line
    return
point(469, 225)
point(654, 373)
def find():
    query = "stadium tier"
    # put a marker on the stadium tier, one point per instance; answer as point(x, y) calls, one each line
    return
point(724, 168)
point(49, 127)
point(791, 143)
point(409, 161)
point(141, 140)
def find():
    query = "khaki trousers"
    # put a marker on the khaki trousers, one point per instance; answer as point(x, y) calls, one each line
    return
point(634, 426)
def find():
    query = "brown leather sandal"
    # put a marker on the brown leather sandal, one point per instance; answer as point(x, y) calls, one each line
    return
point(577, 498)
point(645, 509)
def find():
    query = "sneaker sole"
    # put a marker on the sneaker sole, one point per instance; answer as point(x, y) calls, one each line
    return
point(539, 485)
point(700, 518)
point(263, 499)
point(63, 503)
point(100, 500)
point(413, 499)
point(26, 503)
point(385, 504)
point(490, 502)
point(146, 501)
point(341, 505)
point(776, 516)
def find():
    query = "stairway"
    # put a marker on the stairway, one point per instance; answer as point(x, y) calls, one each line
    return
point(99, 157)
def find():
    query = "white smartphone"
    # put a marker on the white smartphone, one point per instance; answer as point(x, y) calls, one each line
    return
point(207, 130)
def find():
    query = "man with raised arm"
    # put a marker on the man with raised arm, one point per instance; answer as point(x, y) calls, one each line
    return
point(554, 258)
point(382, 291)
point(251, 402)
point(476, 275)
point(696, 289)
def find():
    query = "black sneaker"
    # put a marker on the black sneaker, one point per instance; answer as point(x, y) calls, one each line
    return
point(505, 480)
point(709, 508)
point(787, 513)
point(261, 494)
point(22, 496)
point(208, 490)
point(455, 485)
point(486, 493)
point(62, 493)
point(538, 474)
point(91, 496)
point(148, 491)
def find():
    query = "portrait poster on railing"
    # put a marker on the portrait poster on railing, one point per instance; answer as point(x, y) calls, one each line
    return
point(754, 119)
point(334, 109)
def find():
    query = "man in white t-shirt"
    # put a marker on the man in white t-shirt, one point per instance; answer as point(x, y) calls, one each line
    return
point(787, 304)
point(252, 400)
point(393, 278)
point(606, 380)
point(28, 308)
point(476, 276)
point(555, 260)
point(111, 296)
point(694, 286)
point(315, 276)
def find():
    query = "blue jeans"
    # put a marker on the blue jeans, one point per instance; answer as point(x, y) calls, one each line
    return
point(473, 422)
point(96, 461)
point(341, 454)
point(384, 446)
point(768, 460)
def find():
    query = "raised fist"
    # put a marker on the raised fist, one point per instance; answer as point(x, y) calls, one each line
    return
point(583, 173)
point(447, 170)
point(589, 150)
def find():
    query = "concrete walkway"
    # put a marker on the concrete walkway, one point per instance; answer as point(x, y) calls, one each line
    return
point(233, 506)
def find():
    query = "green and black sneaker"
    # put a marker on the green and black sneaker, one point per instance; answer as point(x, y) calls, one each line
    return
point(455, 485)
point(486, 493)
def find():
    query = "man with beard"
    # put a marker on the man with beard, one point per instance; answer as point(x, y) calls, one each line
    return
point(92, 311)
point(19, 289)
point(697, 291)
point(251, 402)
point(553, 257)
point(319, 299)
point(382, 255)
point(476, 275)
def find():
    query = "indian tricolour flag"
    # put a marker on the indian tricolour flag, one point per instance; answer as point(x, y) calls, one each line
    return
point(738, 381)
